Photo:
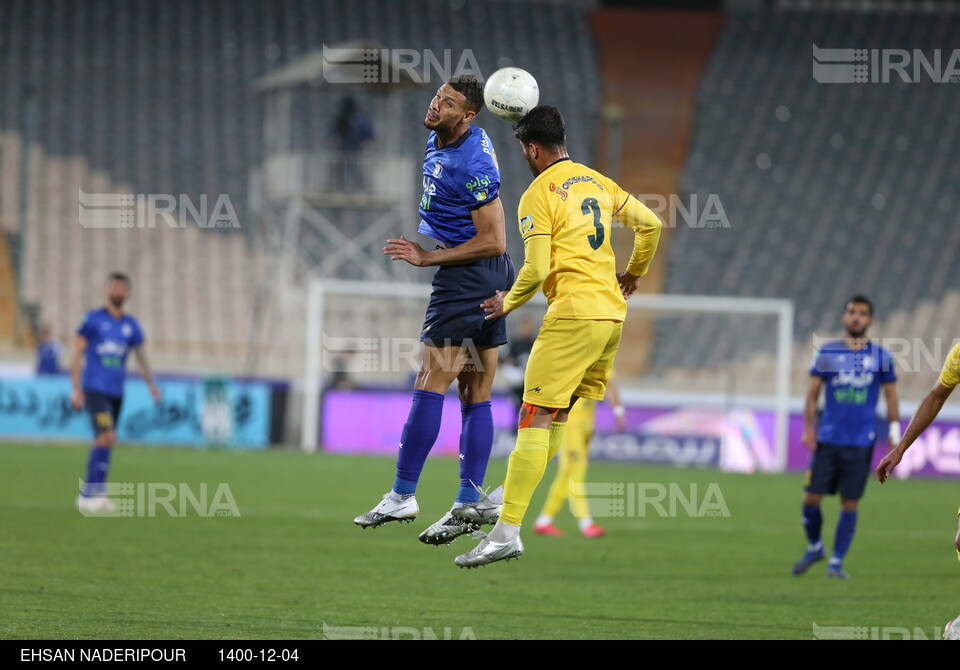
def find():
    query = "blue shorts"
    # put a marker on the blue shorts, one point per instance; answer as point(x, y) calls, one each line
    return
point(454, 314)
point(104, 411)
point(834, 468)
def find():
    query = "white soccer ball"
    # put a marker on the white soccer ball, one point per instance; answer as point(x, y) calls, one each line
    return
point(510, 93)
point(952, 630)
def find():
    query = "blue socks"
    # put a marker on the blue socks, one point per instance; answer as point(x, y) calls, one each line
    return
point(476, 442)
point(416, 441)
point(846, 527)
point(812, 523)
point(97, 467)
point(421, 431)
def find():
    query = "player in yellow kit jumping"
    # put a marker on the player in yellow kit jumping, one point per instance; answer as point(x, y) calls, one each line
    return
point(926, 413)
point(566, 218)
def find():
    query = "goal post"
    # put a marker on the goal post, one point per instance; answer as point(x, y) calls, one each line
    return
point(782, 309)
point(365, 334)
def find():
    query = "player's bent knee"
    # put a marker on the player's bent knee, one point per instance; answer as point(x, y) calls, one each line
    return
point(432, 381)
point(471, 393)
point(529, 414)
point(107, 438)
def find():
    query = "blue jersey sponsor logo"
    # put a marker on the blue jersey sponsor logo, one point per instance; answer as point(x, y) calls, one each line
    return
point(478, 183)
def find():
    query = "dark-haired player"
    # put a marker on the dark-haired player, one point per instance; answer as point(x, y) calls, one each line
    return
point(853, 371)
point(462, 231)
point(566, 219)
point(104, 339)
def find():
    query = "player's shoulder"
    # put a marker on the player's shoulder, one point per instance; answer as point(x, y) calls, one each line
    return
point(831, 348)
point(570, 173)
point(881, 350)
point(478, 137)
point(94, 314)
point(539, 191)
point(951, 364)
point(89, 322)
point(477, 148)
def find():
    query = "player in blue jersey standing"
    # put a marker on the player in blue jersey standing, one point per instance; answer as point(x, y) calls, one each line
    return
point(852, 370)
point(462, 232)
point(104, 339)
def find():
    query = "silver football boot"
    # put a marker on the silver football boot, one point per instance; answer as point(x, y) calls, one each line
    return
point(490, 552)
point(484, 512)
point(389, 510)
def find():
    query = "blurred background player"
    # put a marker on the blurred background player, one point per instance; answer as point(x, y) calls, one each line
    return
point(351, 130)
point(566, 216)
point(853, 370)
point(572, 465)
point(104, 339)
point(924, 416)
point(463, 226)
point(49, 350)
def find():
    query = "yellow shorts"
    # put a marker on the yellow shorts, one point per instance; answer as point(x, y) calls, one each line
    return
point(570, 358)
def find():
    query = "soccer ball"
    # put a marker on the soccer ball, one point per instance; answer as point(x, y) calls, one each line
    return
point(952, 630)
point(510, 93)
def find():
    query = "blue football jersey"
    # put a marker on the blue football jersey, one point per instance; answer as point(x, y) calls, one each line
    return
point(457, 179)
point(109, 340)
point(852, 380)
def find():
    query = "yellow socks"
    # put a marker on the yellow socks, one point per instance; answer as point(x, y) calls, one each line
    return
point(524, 472)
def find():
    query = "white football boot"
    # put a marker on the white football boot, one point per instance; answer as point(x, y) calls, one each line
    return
point(96, 505)
point(388, 510)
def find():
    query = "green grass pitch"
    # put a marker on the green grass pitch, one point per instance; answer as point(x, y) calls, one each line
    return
point(293, 561)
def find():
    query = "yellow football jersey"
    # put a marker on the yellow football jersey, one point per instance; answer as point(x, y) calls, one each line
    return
point(575, 206)
point(950, 375)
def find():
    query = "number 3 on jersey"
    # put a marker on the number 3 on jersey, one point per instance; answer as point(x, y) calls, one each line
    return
point(591, 205)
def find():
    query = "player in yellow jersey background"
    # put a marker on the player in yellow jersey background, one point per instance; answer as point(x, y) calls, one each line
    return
point(566, 219)
point(572, 464)
point(926, 413)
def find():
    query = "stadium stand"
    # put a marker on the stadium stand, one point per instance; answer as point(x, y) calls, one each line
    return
point(119, 80)
point(822, 205)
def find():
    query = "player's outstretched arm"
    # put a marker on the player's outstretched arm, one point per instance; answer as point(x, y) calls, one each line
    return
point(79, 348)
point(893, 413)
point(646, 227)
point(490, 241)
point(147, 374)
point(533, 272)
point(926, 413)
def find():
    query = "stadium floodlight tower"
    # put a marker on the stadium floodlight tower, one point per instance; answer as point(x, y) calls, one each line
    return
point(326, 212)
